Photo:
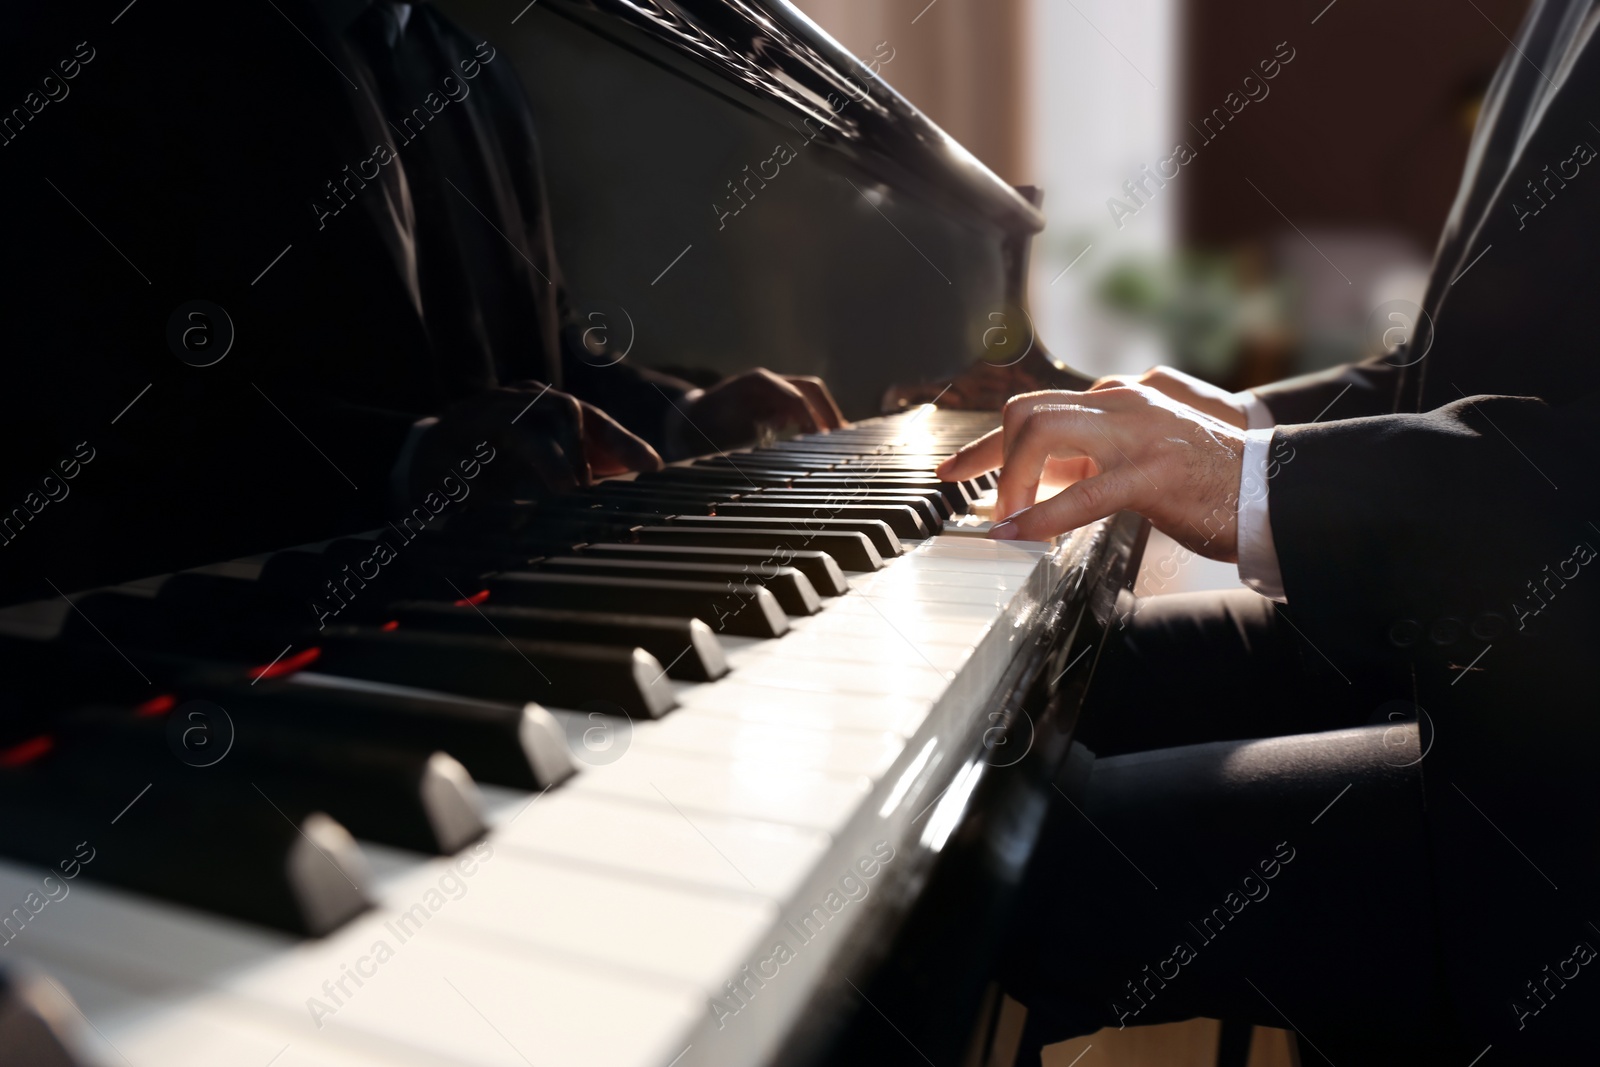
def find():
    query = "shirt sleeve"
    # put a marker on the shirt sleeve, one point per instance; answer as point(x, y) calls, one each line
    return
point(1258, 556)
point(1257, 415)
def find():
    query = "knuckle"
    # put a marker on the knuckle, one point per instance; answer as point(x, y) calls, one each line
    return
point(1091, 495)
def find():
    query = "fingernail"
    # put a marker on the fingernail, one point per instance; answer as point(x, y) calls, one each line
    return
point(1005, 531)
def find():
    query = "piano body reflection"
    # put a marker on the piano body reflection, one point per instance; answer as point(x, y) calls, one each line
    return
point(733, 763)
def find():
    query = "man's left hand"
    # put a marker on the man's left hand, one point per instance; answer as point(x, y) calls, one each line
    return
point(1120, 448)
point(736, 410)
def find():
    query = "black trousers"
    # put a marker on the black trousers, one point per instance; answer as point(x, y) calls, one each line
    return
point(1237, 834)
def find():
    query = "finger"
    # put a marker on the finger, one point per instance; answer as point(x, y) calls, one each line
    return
point(555, 469)
point(973, 458)
point(1042, 436)
point(1112, 381)
point(788, 404)
point(611, 448)
point(821, 400)
point(1077, 505)
point(548, 443)
point(1060, 473)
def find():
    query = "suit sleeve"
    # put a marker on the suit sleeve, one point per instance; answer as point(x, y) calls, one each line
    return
point(589, 358)
point(1352, 390)
point(1397, 529)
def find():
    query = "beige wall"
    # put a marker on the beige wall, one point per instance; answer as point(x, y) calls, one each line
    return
point(962, 62)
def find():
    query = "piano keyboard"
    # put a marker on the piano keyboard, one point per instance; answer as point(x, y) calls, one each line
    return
point(561, 811)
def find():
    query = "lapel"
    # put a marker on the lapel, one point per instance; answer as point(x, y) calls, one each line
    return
point(1508, 294)
point(386, 208)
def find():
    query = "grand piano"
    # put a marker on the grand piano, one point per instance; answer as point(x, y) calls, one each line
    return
point(736, 763)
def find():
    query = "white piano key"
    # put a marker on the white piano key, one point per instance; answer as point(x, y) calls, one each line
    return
point(872, 624)
point(995, 597)
point(977, 548)
point(454, 1000)
point(925, 570)
point(909, 612)
point(754, 790)
point(121, 1025)
point(827, 645)
point(932, 563)
point(713, 736)
point(737, 698)
point(917, 680)
point(689, 934)
point(462, 1001)
point(657, 842)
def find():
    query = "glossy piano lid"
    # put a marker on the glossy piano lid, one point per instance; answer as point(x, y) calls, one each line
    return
point(767, 56)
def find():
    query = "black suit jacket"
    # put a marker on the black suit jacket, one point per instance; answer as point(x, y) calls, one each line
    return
point(1437, 511)
point(249, 156)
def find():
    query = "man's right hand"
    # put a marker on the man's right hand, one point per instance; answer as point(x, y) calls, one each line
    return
point(545, 441)
point(1185, 389)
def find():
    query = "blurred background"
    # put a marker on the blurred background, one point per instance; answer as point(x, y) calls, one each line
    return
point(1312, 196)
point(1306, 201)
point(1309, 199)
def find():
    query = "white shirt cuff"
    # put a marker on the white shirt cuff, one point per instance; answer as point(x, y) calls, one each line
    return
point(1257, 415)
point(1258, 556)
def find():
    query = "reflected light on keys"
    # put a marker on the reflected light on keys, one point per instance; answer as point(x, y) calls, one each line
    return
point(796, 748)
point(898, 793)
point(918, 438)
point(769, 785)
point(951, 805)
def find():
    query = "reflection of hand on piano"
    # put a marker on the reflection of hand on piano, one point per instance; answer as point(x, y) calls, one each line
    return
point(544, 441)
point(736, 410)
point(986, 386)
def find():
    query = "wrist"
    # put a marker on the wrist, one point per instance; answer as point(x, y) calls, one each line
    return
point(1253, 411)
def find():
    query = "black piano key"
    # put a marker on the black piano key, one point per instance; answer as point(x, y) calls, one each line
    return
point(194, 601)
point(758, 462)
point(514, 744)
point(876, 530)
point(740, 609)
point(301, 578)
point(793, 590)
point(241, 858)
point(852, 551)
point(930, 503)
point(499, 668)
point(408, 798)
point(901, 519)
point(517, 745)
point(841, 446)
point(687, 645)
point(820, 568)
point(734, 476)
point(956, 493)
point(629, 490)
